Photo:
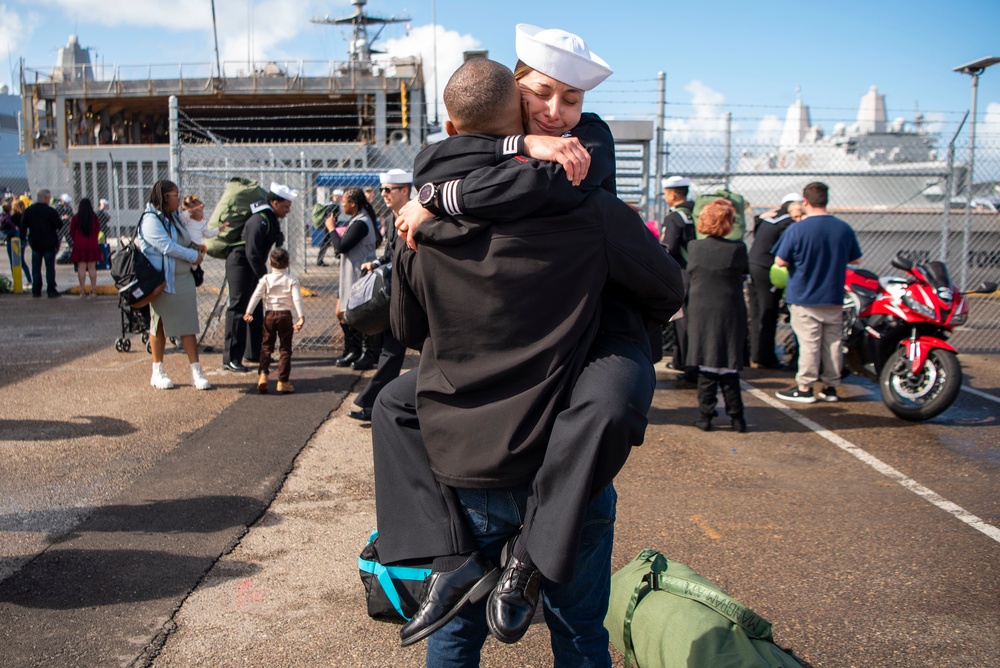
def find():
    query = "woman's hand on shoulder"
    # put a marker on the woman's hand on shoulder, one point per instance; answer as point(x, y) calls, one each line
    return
point(567, 151)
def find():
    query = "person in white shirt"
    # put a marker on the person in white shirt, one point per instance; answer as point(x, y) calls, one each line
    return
point(193, 218)
point(281, 293)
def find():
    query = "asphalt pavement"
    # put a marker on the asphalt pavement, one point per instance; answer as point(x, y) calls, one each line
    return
point(183, 528)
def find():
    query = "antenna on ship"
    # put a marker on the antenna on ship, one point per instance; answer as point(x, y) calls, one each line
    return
point(360, 50)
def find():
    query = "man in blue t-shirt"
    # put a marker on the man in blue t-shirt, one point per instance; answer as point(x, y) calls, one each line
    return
point(816, 251)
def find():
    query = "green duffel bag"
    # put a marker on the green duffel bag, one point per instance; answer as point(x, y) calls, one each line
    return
point(233, 210)
point(664, 615)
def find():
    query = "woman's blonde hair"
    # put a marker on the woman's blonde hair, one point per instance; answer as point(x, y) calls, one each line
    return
point(716, 219)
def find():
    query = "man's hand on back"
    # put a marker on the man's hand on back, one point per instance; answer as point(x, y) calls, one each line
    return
point(409, 220)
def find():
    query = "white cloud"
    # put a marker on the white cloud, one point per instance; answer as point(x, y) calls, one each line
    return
point(707, 121)
point(15, 29)
point(420, 42)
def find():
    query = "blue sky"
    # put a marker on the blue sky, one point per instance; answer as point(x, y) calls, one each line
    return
point(747, 58)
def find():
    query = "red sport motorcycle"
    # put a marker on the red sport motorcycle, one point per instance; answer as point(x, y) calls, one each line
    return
point(896, 333)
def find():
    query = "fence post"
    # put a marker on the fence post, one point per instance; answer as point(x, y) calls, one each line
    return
point(660, 138)
point(175, 144)
point(949, 191)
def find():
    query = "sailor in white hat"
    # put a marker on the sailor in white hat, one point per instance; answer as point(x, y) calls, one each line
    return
point(245, 266)
point(791, 197)
point(397, 184)
point(555, 68)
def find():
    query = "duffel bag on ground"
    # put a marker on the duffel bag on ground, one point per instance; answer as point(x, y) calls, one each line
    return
point(391, 592)
point(664, 615)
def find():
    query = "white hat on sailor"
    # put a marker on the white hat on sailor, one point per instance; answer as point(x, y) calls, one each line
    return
point(338, 192)
point(560, 55)
point(102, 202)
point(283, 191)
point(66, 198)
point(676, 182)
point(791, 197)
point(396, 176)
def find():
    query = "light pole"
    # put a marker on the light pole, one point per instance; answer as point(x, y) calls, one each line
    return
point(973, 69)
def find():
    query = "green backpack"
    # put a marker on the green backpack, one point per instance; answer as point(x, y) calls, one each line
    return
point(664, 615)
point(233, 208)
point(739, 222)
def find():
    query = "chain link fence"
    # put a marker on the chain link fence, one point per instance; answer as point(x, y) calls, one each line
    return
point(895, 206)
point(315, 171)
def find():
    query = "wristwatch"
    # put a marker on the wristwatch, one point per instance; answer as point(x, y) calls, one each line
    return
point(427, 196)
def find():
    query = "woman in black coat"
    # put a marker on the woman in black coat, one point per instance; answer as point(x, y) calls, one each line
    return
point(716, 313)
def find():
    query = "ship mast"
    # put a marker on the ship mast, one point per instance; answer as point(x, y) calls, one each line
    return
point(360, 51)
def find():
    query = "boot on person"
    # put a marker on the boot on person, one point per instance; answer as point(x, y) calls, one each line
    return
point(352, 346)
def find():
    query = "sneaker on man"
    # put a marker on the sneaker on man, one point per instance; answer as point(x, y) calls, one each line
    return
point(828, 393)
point(795, 394)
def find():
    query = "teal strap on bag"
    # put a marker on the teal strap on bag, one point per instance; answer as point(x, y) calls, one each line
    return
point(385, 575)
point(658, 579)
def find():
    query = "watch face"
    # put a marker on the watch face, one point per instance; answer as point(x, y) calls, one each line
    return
point(426, 193)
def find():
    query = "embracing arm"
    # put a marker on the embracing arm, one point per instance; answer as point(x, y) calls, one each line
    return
point(154, 233)
point(407, 317)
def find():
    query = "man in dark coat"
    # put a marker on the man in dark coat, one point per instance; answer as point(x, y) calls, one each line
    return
point(396, 187)
point(765, 299)
point(677, 229)
point(510, 309)
point(43, 224)
point(245, 266)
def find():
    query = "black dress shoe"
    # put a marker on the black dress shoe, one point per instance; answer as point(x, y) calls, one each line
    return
point(347, 359)
point(363, 363)
point(364, 414)
point(235, 366)
point(444, 594)
point(512, 604)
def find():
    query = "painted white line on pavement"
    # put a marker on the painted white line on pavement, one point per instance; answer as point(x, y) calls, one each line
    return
point(928, 494)
point(980, 393)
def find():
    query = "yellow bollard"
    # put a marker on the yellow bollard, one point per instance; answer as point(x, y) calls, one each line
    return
point(15, 264)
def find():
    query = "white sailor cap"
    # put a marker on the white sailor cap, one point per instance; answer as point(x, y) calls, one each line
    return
point(560, 55)
point(338, 192)
point(66, 198)
point(283, 191)
point(676, 182)
point(791, 197)
point(102, 202)
point(396, 176)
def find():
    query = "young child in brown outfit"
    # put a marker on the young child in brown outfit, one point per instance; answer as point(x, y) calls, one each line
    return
point(282, 294)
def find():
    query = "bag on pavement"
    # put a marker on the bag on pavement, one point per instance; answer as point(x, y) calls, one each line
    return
point(391, 592)
point(368, 305)
point(664, 615)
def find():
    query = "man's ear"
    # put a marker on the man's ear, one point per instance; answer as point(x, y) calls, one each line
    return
point(450, 128)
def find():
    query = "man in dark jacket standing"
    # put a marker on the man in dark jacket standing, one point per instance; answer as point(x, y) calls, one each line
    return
point(677, 230)
point(245, 266)
point(43, 225)
point(396, 187)
point(765, 299)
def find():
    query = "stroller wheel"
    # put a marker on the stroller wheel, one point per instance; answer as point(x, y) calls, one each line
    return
point(149, 347)
point(118, 345)
point(127, 345)
point(145, 337)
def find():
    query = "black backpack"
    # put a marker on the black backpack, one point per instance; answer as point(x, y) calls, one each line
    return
point(137, 280)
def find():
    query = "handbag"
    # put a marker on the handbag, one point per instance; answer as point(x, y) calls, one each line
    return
point(368, 305)
point(392, 593)
point(664, 615)
point(137, 280)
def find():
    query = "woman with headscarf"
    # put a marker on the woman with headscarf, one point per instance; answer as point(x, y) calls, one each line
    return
point(174, 313)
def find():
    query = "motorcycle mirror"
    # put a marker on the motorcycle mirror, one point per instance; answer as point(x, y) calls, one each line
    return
point(986, 287)
point(900, 262)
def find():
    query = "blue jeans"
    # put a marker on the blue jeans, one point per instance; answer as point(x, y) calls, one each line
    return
point(574, 612)
point(50, 272)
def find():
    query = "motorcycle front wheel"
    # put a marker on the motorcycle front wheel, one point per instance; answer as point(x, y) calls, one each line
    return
point(923, 395)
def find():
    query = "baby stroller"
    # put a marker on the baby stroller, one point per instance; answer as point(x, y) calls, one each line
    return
point(134, 321)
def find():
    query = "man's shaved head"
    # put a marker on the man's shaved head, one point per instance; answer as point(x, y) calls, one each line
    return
point(482, 97)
